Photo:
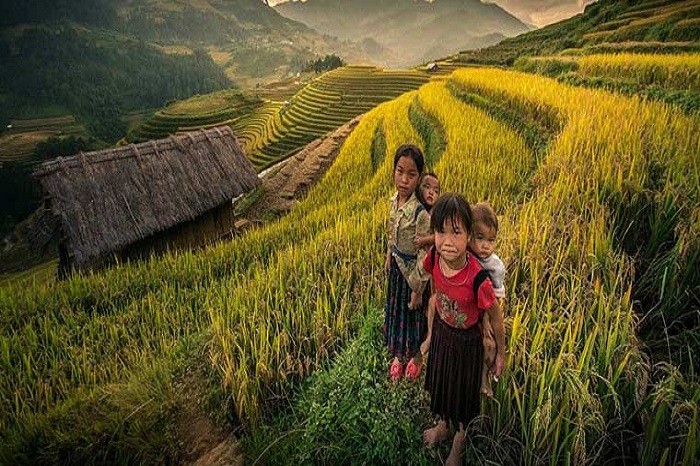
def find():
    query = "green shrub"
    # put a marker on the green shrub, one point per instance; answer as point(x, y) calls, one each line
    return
point(349, 413)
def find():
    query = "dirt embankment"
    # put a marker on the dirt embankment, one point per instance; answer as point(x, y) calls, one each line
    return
point(288, 182)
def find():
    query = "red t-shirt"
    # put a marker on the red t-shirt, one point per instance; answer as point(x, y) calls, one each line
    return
point(456, 303)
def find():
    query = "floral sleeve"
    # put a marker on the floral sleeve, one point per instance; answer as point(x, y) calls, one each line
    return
point(419, 277)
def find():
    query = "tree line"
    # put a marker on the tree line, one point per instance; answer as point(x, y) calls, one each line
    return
point(327, 63)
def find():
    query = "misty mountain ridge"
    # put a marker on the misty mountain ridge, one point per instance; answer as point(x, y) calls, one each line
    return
point(100, 60)
point(181, 22)
point(407, 32)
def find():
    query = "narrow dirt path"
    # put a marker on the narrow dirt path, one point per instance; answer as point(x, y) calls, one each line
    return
point(288, 182)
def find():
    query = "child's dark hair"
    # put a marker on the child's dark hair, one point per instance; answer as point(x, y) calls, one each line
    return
point(451, 206)
point(419, 194)
point(413, 151)
point(483, 213)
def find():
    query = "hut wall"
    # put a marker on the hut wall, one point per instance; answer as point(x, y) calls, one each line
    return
point(212, 226)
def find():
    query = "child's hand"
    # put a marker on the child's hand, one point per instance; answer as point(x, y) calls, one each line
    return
point(425, 346)
point(415, 300)
point(498, 366)
point(387, 263)
point(423, 241)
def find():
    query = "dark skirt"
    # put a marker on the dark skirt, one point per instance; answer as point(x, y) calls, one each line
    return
point(453, 376)
point(404, 328)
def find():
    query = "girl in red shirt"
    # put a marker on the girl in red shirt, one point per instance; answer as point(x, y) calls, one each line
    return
point(453, 376)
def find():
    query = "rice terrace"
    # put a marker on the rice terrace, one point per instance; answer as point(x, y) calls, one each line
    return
point(265, 346)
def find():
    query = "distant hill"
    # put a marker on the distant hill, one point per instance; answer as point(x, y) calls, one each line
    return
point(407, 32)
point(607, 26)
point(103, 60)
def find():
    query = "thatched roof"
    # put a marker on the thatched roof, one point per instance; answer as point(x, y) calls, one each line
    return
point(108, 199)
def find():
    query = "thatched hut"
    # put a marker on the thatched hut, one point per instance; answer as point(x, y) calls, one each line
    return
point(128, 200)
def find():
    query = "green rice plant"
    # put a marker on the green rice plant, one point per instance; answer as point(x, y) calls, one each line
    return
point(548, 66)
point(431, 132)
point(623, 155)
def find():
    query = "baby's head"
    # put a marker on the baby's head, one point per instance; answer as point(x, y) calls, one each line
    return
point(428, 190)
point(484, 230)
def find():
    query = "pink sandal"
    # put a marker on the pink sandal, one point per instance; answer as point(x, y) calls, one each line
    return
point(396, 370)
point(413, 369)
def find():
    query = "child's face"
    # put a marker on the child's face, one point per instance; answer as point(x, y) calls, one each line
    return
point(483, 240)
point(406, 176)
point(452, 242)
point(430, 190)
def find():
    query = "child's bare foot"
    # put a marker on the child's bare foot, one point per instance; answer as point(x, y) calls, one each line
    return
point(456, 450)
point(436, 434)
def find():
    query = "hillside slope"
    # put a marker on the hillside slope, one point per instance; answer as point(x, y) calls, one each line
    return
point(100, 63)
point(658, 26)
point(405, 32)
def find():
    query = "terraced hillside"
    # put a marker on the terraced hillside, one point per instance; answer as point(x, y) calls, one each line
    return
point(18, 142)
point(271, 129)
point(324, 104)
point(674, 79)
point(606, 26)
point(649, 48)
point(218, 108)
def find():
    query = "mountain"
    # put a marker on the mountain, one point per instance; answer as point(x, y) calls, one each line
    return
point(101, 59)
point(175, 21)
point(652, 26)
point(407, 32)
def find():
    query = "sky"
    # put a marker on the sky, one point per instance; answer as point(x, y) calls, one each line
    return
point(535, 12)
point(542, 12)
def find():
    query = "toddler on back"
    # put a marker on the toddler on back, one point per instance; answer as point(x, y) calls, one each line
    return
point(482, 244)
point(428, 193)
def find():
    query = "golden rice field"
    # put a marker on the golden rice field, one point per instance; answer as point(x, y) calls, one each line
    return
point(680, 71)
point(600, 236)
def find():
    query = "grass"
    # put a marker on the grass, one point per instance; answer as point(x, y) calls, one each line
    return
point(39, 275)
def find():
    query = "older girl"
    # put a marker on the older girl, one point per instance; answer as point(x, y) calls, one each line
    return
point(405, 323)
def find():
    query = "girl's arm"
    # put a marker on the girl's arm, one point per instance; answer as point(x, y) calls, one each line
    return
point(498, 276)
point(500, 334)
point(389, 236)
point(425, 346)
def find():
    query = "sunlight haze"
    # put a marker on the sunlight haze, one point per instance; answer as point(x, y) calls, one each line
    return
point(536, 12)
